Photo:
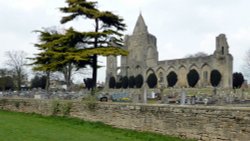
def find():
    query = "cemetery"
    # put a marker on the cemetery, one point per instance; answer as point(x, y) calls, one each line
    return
point(196, 97)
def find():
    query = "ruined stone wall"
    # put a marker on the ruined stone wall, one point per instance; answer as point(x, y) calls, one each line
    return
point(198, 122)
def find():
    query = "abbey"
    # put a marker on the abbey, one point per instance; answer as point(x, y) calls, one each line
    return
point(143, 59)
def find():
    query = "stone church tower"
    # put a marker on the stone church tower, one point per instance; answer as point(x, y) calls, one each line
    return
point(143, 59)
point(142, 49)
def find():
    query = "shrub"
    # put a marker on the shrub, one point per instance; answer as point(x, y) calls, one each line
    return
point(152, 80)
point(172, 79)
point(91, 102)
point(55, 107)
point(88, 83)
point(193, 77)
point(66, 107)
point(215, 78)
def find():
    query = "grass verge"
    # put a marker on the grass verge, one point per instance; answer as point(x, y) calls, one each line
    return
point(33, 127)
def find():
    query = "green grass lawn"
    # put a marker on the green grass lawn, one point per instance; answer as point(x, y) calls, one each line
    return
point(33, 127)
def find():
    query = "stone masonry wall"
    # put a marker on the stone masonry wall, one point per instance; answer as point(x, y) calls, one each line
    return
point(203, 123)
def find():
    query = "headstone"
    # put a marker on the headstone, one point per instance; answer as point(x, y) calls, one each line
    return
point(165, 100)
point(205, 101)
point(183, 97)
point(192, 100)
point(188, 101)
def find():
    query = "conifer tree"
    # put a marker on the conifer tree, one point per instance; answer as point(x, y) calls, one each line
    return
point(107, 27)
point(57, 53)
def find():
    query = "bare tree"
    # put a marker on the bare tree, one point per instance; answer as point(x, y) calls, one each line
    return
point(16, 61)
point(198, 54)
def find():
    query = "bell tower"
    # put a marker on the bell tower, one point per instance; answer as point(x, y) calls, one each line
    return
point(222, 48)
point(223, 61)
point(141, 46)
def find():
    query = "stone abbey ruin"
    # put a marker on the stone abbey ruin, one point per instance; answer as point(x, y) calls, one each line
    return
point(143, 60)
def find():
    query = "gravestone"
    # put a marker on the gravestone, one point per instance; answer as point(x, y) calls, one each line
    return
point(193, 100)
point(183, 97)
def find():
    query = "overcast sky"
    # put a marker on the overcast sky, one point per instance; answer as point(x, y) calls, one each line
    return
point(182, 27)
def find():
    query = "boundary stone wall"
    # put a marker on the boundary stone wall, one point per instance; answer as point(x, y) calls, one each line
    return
point(203, 123)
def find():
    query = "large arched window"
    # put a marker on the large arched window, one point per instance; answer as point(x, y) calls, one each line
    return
point(112, 82)
point(215, 78)
point(172, 79)
point(193, 78)
point(139, 81)
point(152, 80)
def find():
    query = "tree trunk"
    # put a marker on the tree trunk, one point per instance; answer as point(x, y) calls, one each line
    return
point(19, 80)
point(94, 73)
point(67, 75)
point(47, 81)
point(68, 80)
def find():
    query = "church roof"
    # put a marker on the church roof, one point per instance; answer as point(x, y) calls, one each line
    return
point(140, 26)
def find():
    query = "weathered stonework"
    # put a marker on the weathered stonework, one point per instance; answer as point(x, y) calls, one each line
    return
point(143, 59)
point(204, 123)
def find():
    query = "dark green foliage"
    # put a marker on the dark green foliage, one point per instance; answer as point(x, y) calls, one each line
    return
point(6, 83)
point(215, 78)
point(139, 81)
point(238, 80)
point(152, 80)
point(88, 83)
point(66, 107)
point(80, 49)
point(38, 82)
point(112, 82)
point(106, 30)
point(193, 77)
point(172, 79)
point(55, 108)
point(131, 82)
point(60, 50)
point(125, 82)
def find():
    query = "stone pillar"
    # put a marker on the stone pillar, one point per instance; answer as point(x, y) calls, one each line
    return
point(144, 97)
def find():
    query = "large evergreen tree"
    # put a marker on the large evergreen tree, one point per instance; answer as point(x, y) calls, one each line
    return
point(59, 52)
point(106, 29)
